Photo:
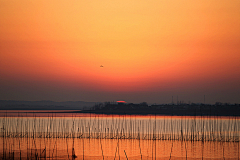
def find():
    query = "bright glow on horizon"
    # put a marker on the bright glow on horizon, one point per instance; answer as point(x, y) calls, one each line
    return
point(146, 48)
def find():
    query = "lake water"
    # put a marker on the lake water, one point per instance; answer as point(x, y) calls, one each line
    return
point(62, 135)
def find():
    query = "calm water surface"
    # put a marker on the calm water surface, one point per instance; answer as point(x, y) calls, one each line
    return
point(63, 135)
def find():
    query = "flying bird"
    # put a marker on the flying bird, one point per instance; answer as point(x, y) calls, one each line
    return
point(101, 66)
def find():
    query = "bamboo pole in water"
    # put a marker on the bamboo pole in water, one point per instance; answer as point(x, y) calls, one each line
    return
point(126, 154)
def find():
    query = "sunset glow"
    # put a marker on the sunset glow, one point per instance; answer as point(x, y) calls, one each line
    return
point(149, 50)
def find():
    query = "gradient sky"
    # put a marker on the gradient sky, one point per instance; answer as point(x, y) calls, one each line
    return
point(151, 50)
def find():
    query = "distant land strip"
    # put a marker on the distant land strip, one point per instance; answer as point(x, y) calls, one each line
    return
point(123, 108)
point(171, 110)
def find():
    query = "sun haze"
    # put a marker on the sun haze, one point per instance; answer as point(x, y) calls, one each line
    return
point(147, 50)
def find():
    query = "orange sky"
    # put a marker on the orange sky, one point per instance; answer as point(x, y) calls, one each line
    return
point(151, 50)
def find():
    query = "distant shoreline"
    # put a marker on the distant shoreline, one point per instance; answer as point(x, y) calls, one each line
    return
point(170, 110)
point(128, 112)
point(122, 108)
point(155, 113)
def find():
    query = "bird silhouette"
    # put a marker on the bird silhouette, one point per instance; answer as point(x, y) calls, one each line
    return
point(101, 66)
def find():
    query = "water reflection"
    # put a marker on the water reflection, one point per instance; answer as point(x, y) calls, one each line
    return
point(62, 148)
point(130, 127)
point(46, 135)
